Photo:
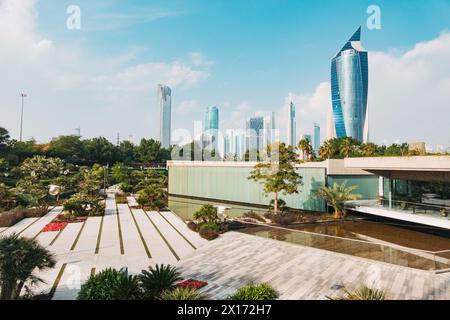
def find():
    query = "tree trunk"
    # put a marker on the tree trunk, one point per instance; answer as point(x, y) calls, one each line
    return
point(338, 214)
point(275, 205)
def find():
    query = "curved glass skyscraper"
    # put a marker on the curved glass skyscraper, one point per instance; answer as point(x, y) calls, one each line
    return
point(349, 88)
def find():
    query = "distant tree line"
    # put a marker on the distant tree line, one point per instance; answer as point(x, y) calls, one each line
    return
point(84, 152)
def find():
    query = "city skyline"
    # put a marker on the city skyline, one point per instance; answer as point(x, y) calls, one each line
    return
point(114, 61)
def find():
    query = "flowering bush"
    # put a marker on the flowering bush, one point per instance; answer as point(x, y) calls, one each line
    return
point(196, 284)
point(54, 226)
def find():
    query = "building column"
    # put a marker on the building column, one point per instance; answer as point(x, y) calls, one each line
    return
point(380, 187)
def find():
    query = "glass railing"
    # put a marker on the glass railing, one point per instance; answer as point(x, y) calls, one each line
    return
point(407, 257)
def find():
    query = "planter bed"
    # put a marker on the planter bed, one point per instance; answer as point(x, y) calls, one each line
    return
point(10, 218)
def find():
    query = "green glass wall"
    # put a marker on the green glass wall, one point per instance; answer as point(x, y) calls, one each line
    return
point(367, 185)
point(231, 184)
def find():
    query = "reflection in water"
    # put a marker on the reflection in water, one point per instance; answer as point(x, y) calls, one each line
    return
point(372, 234)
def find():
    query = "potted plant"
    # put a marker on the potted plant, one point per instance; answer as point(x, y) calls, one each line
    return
point(443, 212)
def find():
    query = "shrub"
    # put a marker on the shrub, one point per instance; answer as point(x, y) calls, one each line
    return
point(255, 292)
point(121, 198)
point(282, 218)
point(363, 293)
point(125, 187)
point(81, 205)
point(102, 286)
point(128, 288)
point(208, 234)
point(253, 215)
point(207, 214)
point(157, 280)
point(153, 197)
point(180, 293)
point(192, 225)
point(191, 283)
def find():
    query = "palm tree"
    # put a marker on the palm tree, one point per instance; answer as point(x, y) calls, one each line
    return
point(327, 150)
point(157, 280)
point(19, 257)
point(305, 147)
point(369, 149)
point(336, 196)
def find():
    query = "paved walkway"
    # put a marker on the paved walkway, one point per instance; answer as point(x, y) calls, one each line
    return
point(124, 237)
point(299, 272)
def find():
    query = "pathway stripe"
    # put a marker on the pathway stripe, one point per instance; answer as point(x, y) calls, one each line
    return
point(99, 237)
point(122, 249)
point(159, 250)
point(57, 280)
point(147, 250)
point(78, 236)
point(193, 236)
point(162, 236)
point(190, 243)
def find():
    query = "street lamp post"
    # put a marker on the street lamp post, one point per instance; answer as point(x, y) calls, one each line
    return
point(23, 95)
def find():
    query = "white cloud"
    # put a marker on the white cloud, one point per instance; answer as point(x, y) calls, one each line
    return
point(187, 107)
point(68, 88)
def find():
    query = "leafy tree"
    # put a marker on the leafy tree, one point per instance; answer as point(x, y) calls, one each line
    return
point(4, 140)
point(207, 213)
point(7, 197)
point(100, 150)
point(121, 173)
point(41, 167)
point(155, 281)
point(127, 153)
point(336, 196)
point(19, 258)
point(69, 148)
point(150, 152)
point(19, 151)
point(278, 175)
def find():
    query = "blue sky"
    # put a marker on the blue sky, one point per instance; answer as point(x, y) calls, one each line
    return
point(248, 55)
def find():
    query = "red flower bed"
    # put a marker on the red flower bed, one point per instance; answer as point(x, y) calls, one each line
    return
point(197, 284)
point(54, 226)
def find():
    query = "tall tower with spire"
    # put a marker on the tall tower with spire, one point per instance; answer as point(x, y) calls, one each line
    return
point(349, 90)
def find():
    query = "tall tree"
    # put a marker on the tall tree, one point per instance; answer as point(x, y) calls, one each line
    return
point(277, 174)
point(306, 148)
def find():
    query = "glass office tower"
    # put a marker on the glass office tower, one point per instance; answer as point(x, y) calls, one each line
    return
point(164, 96)
point(211, 129)
point(316, 138)
point(292, 125)
point(212, 119)
point(349, 88)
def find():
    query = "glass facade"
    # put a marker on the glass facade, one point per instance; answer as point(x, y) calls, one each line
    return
point(349, 88)
point(164, 96)
point(292, 132)
point(316, 138)
point(211, 119)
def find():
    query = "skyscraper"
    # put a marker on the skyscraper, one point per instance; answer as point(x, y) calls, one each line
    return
point(255, 130)
point(349, 89)
point(164, 96)
point(212, 118)
point(292, 125)
point(211, 129)
point(316, 138)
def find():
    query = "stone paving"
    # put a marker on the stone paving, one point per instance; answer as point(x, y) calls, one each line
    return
point(227, 263)
point(298, 272)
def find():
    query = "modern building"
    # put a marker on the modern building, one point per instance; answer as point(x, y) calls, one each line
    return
point(292, 124)
point(164, 102)
point(349, 90)
point(255, 133)
point(317, 141)
point(211, 129)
